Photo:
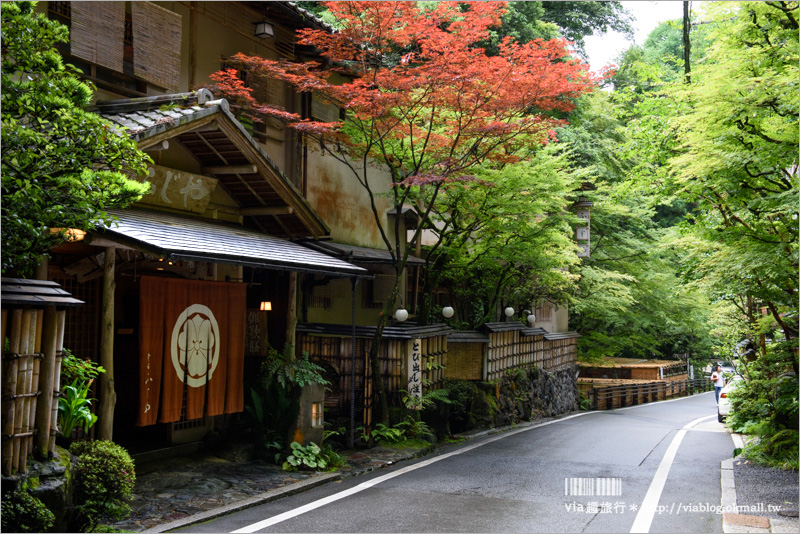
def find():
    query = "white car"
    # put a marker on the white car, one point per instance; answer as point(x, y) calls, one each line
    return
point(724, 404)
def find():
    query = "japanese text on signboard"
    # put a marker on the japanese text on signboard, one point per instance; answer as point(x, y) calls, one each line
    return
point(415, 369)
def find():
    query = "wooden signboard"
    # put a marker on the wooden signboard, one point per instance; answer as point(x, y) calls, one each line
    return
point(179, 190)
point(415, 370)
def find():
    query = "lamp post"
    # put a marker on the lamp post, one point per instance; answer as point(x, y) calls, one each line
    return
point(401, 315)
point(448, 312)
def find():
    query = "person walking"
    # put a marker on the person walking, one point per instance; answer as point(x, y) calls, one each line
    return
point(719, 381)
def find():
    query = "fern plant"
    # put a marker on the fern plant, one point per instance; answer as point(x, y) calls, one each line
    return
point(289, 371)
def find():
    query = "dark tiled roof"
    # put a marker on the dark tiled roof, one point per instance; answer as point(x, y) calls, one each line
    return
point(36, 293)
point(206, 129)
point(404, 331)
point(171, 236)
point(467, 336)
point(561, 335)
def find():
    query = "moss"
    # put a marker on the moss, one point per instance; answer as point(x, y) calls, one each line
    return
point(408, 444)
point(31, 483)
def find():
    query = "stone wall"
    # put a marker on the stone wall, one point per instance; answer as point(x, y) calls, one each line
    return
point(526, 395)
point(49, 482)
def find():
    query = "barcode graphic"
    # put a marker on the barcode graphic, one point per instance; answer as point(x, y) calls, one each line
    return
point(592, 486)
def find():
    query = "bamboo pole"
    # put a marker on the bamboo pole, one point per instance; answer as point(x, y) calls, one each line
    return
point(10, 375)
point(4, 323)
point(29, 406)
point(108, 395)
point(37, 369)
point(44, 408)
point(22, 371)
point(61, 316)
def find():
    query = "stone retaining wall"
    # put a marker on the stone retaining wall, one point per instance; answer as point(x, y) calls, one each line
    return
point(526, 395)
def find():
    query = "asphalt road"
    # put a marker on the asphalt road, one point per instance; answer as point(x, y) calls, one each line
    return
point(651, 468)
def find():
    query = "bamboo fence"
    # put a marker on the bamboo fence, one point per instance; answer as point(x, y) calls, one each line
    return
point(32, 337)
point(335, 354)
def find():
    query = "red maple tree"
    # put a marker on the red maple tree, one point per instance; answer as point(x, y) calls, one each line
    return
point(419, 97)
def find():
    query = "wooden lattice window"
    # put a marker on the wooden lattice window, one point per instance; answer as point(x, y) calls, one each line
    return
point(62, 9)
point(82, 326)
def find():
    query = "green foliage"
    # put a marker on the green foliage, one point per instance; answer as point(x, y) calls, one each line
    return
point(271, 413)
point(382, 433)
point(22, 512)
point(470, 407)
point(74, 407)
point(305, 457)
point(765, 406)
point(104, 478)
point(81, 369)
point(428, 399)
point(290, 372)
point(415, 428)
point(491, 247)
point(585, 402)
point(333, 460)
point(62, 166)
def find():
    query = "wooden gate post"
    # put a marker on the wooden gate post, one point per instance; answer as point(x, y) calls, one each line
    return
point(108, 395)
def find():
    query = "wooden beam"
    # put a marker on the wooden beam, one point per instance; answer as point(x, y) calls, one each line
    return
point(97, 241)
point(277, 210)
point(163, 145)
point(230, 169)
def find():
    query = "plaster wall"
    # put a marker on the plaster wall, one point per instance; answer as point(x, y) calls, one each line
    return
point(558, 322)
point(343, 203)
point(209, 44)
point(340, 311)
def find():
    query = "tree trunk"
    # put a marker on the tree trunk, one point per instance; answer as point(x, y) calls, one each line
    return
point(108, 395)
point(291, 310)
point(687, 45)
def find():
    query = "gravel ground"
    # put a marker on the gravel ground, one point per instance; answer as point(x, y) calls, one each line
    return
point(760, 488)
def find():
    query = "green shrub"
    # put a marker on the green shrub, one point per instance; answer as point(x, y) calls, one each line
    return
point(22, 512)
point(382, 434)
point(104, 478)
point(417, 429)
point(472, 406)
point(82, 369)
point(333, 459)
point(305, 457)
point(270, 414)
point(765, 406)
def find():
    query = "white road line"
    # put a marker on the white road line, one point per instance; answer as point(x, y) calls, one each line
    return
point(648, 508)
point(366, 485)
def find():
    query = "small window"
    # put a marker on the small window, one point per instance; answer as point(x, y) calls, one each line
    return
point(317, 414)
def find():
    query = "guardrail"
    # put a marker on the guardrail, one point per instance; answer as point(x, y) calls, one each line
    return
point(606, 397)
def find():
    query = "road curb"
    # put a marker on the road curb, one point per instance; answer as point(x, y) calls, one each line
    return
point(733, 522)
point(255, 500)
